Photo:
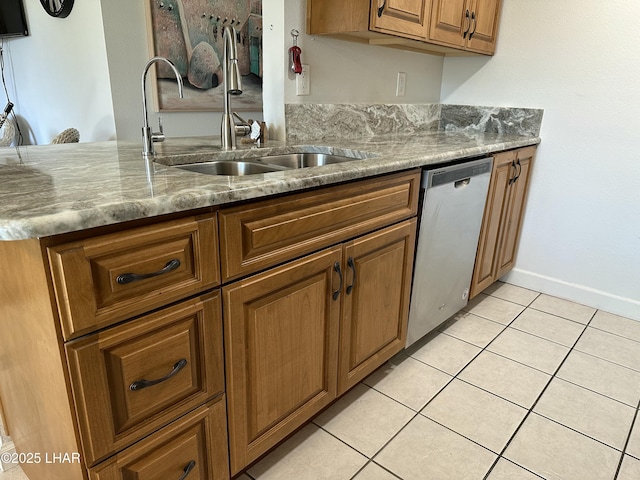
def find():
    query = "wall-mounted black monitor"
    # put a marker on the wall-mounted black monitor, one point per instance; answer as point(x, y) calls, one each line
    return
point(12, 19)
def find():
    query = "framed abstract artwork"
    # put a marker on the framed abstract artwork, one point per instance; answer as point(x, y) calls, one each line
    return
point(189, 33)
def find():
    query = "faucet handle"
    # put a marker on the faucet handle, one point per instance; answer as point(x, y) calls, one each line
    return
point(242, 120)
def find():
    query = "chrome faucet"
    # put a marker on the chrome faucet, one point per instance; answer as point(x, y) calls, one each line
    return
point(232, 86)
point(148, 136)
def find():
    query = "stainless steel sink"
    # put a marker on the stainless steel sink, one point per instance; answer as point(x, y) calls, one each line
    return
point(265, 164)
point(303, 160)
point(231, 168)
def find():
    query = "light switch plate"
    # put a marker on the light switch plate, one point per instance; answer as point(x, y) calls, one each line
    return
point(302, 81)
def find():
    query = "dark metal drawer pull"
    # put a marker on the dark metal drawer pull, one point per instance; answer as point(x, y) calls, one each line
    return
point(475, 24)
point(381, 8)
point(467, 21)
point(125, 278)
point(140, 384)
point(336, 268)
point(515, 172)
point(187, 470)
point(352, 266)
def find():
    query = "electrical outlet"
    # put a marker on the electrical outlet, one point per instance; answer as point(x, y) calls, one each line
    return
point(401, 84)
point(302, 81)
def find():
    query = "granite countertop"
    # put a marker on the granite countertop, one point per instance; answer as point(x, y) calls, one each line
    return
point(53, 189)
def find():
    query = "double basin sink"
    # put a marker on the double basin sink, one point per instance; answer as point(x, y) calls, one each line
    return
point(266, 164)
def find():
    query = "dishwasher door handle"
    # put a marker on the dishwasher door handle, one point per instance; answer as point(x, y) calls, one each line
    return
point(462, 183)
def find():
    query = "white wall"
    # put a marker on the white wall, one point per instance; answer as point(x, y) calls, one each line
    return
point(340, 71)
point(128, 51)
point(92, 77)
point(58, 77)
point(580, 62)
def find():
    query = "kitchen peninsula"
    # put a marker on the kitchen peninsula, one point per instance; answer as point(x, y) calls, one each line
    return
point(118, 280)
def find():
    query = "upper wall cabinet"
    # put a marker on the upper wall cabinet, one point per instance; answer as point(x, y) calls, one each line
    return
point(442, 27)
point(468, 24)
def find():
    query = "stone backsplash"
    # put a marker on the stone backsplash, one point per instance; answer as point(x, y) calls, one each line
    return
point(325, 121)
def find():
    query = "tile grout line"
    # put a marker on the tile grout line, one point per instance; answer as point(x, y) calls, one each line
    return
point(370, 461)
point(530, 411)
point(616, 334)
point(626, 443)
point(610, 361)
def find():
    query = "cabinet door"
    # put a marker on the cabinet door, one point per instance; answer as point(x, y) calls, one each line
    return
point(484, 26)
point(484, 270)
point(450, 21)
point(405, 18)
point(515, 209)
point(376, 300)
point(281, 338)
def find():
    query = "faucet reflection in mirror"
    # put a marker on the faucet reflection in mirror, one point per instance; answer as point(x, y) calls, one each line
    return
point(232, 86)
point(149, 137)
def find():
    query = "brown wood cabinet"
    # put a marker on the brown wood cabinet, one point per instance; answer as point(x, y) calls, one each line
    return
point(502, 221)
point(285, 334)
point(468, 24)
point(116, 345)
point(98, 368)
point(300, 334)
point(376, 301)
point(441, 27)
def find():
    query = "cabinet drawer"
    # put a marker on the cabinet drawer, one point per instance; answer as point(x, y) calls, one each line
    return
point(196, 444)
point(262, 234)
point(129, 380)
point(106, 279)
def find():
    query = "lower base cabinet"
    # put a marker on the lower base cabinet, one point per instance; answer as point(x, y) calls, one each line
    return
point(194, 447)
point(503, 214)
point(376, 302)
point(314, 296)
point(300, 334)
point(281, 338)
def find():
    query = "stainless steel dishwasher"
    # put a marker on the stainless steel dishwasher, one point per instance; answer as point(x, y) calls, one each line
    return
point(452, 208)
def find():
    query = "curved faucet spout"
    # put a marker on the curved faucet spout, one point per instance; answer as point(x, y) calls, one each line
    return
point(148, 137)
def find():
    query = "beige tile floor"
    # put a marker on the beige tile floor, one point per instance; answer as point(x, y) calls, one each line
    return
point(518, 386)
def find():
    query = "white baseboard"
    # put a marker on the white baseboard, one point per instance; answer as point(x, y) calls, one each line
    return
point(626, 307)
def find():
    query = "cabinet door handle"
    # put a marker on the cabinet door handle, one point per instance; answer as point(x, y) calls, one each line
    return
point(352, 265)
point(140, 384)
point(187, 469)
point(381, 8)
point(515, 172)
point(467, 23)
point(336, 268)
point(519, 167)
point(475, 24)
point(125, 278)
